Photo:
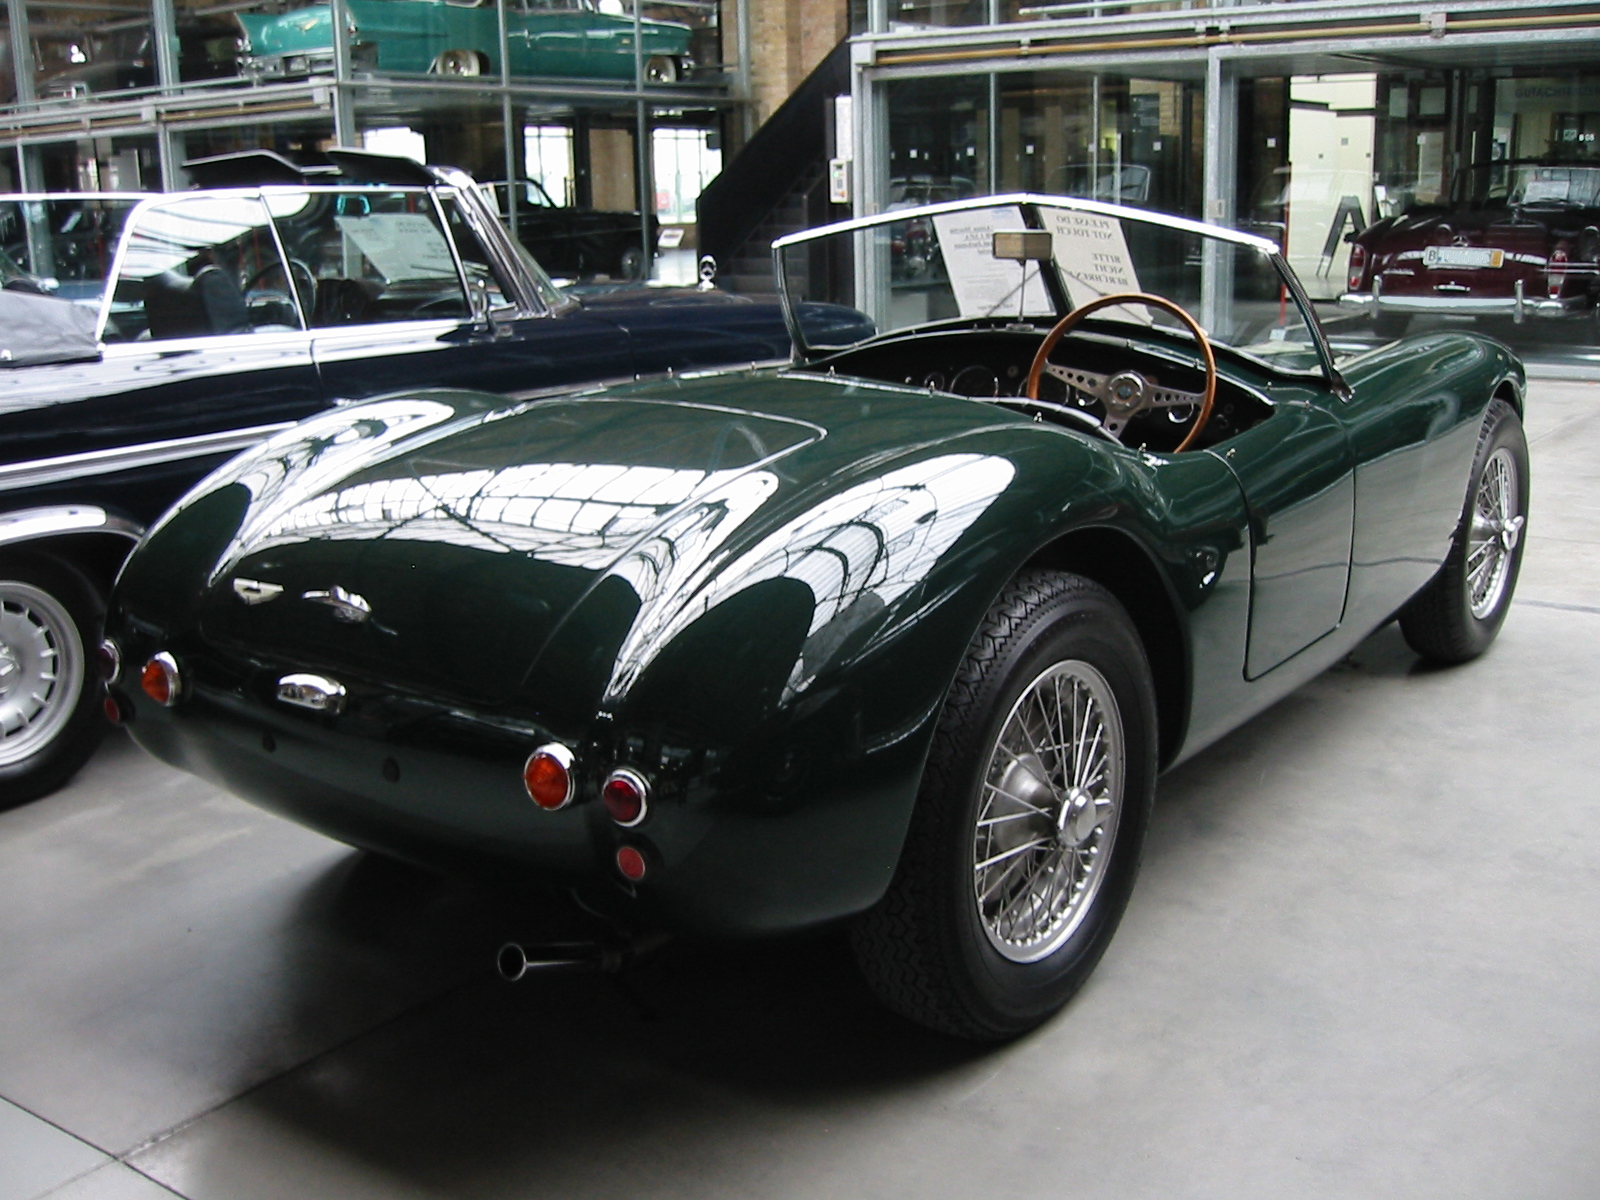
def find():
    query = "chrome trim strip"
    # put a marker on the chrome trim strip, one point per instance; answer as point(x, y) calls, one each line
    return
point(316, 692)
point(29, 524)
point(1509, 306)
point(126, 458)
point(1019, 198)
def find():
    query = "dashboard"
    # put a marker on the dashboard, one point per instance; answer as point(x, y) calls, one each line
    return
point(993, 364)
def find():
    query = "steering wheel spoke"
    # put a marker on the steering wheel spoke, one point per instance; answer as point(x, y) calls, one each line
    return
point(1128, 394)
point(1161, 397)
point(1088, 382)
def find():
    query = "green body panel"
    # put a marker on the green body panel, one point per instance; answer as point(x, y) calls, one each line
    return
point(756, 587)
point(411, 34)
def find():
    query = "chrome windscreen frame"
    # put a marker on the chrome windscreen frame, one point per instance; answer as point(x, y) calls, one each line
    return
point(802, 352)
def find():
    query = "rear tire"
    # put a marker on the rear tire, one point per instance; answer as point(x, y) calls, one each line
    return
point(50, 710)
point(630, 265)
point(463, 63)
point(1457, 615)
point(1025, 841)
point(661, 69)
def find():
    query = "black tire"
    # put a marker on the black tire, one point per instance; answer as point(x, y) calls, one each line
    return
point(661, 69)
point(928, 949)
point(630, 263)
point(1391, 326)
point(1449, 621)
point(46, 608)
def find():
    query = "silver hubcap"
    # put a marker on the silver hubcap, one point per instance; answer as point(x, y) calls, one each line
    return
point(41, 669)
point(1496, 529)
point(1052, 795)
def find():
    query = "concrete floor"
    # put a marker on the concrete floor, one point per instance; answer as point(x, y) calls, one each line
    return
point(1363, 960)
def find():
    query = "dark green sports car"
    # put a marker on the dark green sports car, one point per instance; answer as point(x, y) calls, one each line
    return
point(898, 635)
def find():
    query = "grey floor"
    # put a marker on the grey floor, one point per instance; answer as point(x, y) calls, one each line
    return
point(1363, 961)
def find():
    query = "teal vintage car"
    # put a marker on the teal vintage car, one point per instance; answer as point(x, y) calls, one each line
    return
point(898, 635)
point(462, 37)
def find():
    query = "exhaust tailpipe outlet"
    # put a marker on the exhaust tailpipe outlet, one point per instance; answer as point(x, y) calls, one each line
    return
point(515, 960)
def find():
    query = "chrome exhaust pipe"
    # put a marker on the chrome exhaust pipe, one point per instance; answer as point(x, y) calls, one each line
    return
point(516, 960)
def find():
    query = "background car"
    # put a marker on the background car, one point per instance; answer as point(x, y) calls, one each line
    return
point(97, 61)
point(444, 37)
point(1517, 240)
point(575, 243)
point(897, 636)
point(151, 337)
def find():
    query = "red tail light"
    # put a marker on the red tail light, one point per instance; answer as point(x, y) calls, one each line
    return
point(161, 680)
point(1556, 272)
point(626, 796)
point(1358, 267)
point(631, 863)
point(548, 776)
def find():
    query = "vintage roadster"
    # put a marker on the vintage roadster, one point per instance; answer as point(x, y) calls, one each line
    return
point(898, 635)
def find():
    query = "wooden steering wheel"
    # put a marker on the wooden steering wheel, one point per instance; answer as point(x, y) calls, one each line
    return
point(1127, 394)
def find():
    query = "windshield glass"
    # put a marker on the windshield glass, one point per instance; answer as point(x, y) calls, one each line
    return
point(912, 268)
point(1530, 184)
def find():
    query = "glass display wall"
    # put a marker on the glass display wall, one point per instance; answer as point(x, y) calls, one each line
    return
point(603, 116)
point(1406, 197)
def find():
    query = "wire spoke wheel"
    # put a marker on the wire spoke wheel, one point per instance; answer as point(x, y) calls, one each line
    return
point(1024, 844)
point(1456, 616)
point(1496, 528)
point(41, 669)
point(1052, 794)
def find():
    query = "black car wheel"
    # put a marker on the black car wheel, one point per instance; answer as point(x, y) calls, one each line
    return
point(630, 264)
point(1457, 615)
point(50, 714)
point(1025, 841)
point(661, 69)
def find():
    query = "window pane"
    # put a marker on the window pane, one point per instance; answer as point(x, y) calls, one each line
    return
point(481, 271)
point(371, 255)
point(198, 267)
point(67, 244)
point(91, 50)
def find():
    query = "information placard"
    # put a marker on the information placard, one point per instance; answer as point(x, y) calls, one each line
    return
point(983, 284)
point(1092, 256)
point(401, 245)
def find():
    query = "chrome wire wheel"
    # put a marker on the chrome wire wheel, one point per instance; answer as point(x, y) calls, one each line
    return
point(1496, 528)
point(41, 669)
point(1052, 799)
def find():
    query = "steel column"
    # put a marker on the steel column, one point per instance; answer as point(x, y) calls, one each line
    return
point(21, 50)
point(1218, 185)
point(165, 34)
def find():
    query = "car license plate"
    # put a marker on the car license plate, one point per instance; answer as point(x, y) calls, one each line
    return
point(1462, 256)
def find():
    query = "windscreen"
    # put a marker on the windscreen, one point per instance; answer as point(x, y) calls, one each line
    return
point(912, 269)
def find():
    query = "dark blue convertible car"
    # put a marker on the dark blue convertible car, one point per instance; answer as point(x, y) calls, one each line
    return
point(146, 339)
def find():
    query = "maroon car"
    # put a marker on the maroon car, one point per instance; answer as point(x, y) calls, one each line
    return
point(1518, 240)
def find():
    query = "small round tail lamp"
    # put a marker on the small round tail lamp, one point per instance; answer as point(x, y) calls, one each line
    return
point(109, 660)
point(630, 861)
point(161, 680)
point(548, 776)
point(627, 796)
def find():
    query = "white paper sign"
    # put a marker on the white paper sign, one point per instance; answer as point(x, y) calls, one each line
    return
point(983, 284)
point(1092, 256)
point(1545, 190)
point(401, 245)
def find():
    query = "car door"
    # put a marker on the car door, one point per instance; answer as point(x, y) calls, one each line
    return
point(1297, 474)
point(204, 353)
